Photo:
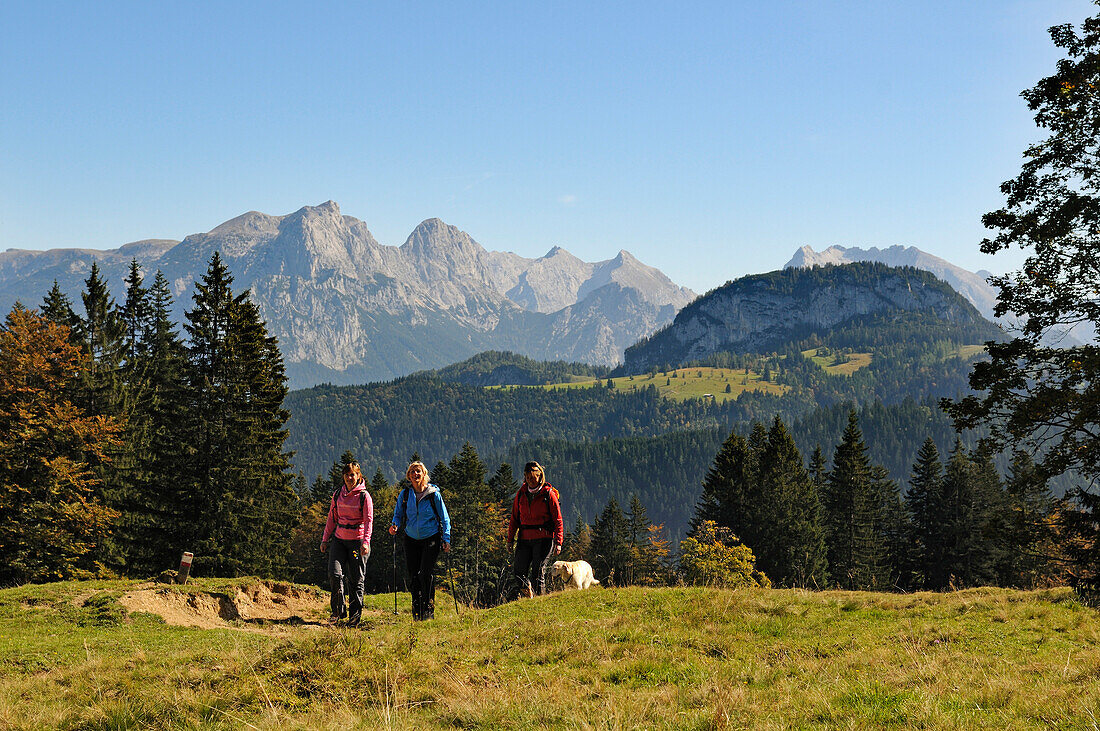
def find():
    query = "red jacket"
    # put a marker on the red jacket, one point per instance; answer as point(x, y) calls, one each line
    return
point(536, 515)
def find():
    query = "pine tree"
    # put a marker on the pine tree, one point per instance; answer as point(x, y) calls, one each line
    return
point(610, 547)
point(51, 518)
point(648, 551)
point(856, 550)
point(1028, 531)
point(788, 536)
point(58, 308)
point(578, 542)
point(926, 503)
point(971, 550)
point(101, 332)
point(236, 478)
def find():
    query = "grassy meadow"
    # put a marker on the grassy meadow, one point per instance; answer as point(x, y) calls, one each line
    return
point(72, 657)
point(847, 365)
point(687, 383)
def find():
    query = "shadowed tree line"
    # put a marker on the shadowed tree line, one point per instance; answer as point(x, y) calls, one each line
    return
point(958, 524)
point(138, 444)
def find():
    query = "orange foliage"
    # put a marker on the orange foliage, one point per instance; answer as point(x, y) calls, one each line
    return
point(50, 517)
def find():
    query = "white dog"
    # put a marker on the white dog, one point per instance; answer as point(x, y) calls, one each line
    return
point(576, 574)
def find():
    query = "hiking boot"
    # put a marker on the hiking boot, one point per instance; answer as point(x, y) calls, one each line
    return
point(353, 621)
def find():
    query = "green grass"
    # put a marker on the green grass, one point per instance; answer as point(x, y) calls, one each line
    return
point(687, 383)
point(966, 352)
point(851, 362)
point(687, 658)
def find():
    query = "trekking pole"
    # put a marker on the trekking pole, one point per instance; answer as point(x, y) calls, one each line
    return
point(395, 574)
point(451, 576)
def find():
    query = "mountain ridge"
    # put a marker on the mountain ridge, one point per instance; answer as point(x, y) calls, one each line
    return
point(346, 308)
point(762, 312)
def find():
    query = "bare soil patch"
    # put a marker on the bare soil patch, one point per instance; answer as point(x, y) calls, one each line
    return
point(263, 606)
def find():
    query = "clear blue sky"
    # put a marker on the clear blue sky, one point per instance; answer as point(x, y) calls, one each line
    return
point(711, 139)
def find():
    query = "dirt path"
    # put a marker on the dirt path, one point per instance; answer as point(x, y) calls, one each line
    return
point(265, 606)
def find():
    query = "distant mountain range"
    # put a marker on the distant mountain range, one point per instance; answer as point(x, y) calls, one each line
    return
point(347, 309)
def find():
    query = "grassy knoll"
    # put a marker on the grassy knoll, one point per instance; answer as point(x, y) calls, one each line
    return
point(685, 383)
point(632, 658)
point(966, 352)
point(849, 363)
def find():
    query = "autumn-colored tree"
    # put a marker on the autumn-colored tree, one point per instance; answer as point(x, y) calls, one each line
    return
point(51, 518)
point(713, 556)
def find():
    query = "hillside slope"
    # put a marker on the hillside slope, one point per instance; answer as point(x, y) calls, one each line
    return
point(604, 658)
point(766, 312)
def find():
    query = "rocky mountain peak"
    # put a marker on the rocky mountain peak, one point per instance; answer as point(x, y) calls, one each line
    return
point(441, 252)
point(969, 284)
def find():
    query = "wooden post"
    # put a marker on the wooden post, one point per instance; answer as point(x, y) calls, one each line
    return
point(185, 567)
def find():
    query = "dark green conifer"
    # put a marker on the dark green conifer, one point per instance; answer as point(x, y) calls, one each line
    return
point(927, 506)
point(236, 479)
point(58, 308)
point(1028, 533)
point(789, 541)
point(856, 550)
point(610, 547)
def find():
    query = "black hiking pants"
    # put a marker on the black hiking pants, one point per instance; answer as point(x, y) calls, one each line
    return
point(528, 563)
point(346, 563)
point(421, 556)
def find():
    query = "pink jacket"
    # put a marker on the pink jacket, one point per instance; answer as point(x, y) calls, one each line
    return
point(345, 518)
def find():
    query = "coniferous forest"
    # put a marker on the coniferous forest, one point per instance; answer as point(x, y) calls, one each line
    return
point(129, 440)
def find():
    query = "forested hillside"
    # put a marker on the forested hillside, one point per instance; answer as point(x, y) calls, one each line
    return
point(596, 443)
point(852, 305)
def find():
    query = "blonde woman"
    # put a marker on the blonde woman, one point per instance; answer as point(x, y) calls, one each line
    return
point(420, 511)
point(350, 518)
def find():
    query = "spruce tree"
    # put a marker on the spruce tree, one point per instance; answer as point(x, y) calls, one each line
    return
point(926, 503)
point(896, 529)
point(578, 542)
point(58, 308)
point(725, 498)
point(855, 545)
point(379, 576)
point(610, 547)
point(477, 546)
point(972, 550)
point(101, 333)
point(236, 480)
point(504, 485)
point(647, 550)
point(156, 510)
point(788, 535)
point(1028, 531)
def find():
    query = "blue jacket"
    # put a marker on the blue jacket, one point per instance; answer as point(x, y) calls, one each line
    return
point(420, 519)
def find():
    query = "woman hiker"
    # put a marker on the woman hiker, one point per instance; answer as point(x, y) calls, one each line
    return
point(350, 518)
point(536, 522)
point(421, 513)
